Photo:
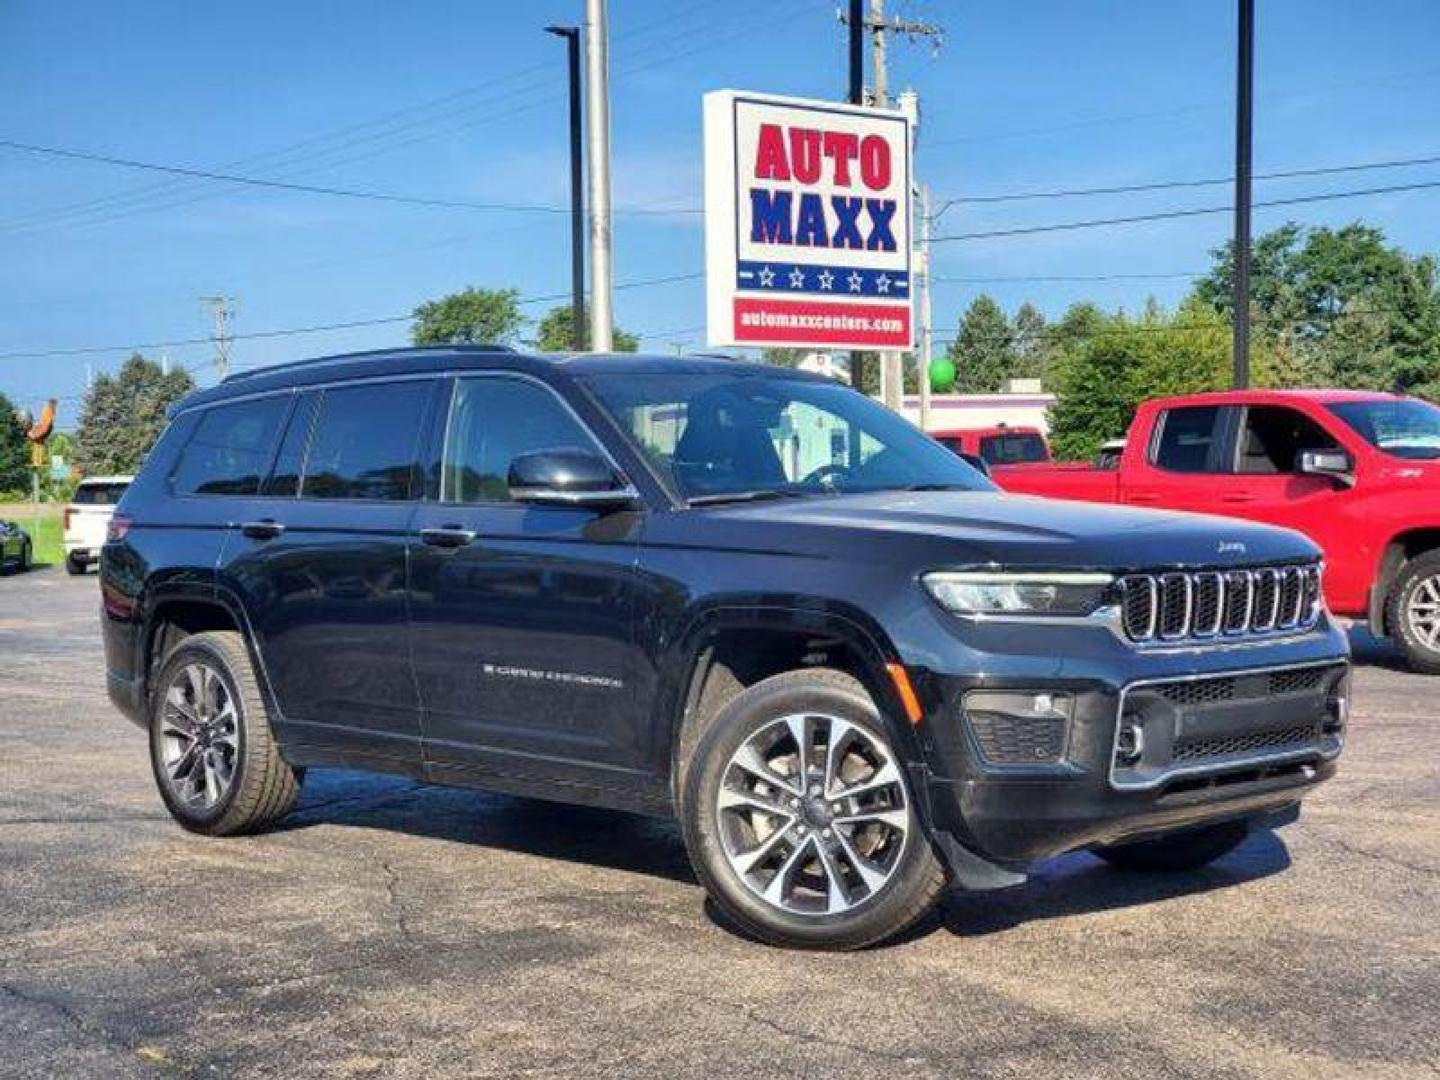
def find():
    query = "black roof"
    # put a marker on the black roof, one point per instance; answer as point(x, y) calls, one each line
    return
point(408, 361)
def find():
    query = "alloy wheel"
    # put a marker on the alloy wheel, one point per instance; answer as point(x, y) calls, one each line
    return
point(199, 730)
point(813, 814)
point(1422, 612)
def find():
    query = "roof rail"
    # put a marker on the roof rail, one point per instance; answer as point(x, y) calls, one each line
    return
point(375, 354)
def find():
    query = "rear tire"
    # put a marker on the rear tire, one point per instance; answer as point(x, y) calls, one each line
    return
point(839, 833)
point(26, 557)
point(1188, 850)
point(212, 751)
point(73, 566)
point(1412, 612)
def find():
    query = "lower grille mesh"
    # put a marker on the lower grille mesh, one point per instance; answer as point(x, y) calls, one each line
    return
point(1299, 736)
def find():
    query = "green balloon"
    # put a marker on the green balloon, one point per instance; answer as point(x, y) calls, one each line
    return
point(942, 375)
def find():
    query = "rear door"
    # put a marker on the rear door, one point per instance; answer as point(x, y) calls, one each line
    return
point(318, 560)
point(1178, 468)
point(522, 615)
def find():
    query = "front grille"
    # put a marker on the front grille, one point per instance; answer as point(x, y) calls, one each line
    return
point(1212, 604)
point(1299, 737)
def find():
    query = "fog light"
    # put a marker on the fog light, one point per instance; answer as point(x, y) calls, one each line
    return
point(1129, 741)
point(1014, 727)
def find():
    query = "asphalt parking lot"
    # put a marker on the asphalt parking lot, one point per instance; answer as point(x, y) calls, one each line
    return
point(397, 930)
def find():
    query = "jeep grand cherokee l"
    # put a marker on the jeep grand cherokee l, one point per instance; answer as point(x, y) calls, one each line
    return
point(745, 596)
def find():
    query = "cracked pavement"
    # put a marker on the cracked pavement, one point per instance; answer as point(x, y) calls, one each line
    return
point(391, 929)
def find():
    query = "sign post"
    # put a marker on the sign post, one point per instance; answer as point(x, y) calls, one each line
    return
point(807, 224)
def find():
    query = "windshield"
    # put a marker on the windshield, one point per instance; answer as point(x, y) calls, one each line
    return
point(744, 435)
point(1404, 427)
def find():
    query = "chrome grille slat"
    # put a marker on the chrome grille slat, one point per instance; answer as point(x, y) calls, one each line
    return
point(1179, 606)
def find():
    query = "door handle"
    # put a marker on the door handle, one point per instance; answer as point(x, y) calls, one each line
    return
point(1143, 497)
point(451, 536)
point(262, 530)
point(1239, 497)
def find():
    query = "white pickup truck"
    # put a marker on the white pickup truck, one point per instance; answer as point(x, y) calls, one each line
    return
point(87, 519)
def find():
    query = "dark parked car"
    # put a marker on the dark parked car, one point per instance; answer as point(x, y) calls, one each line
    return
point(745, 596)
point(16, 550)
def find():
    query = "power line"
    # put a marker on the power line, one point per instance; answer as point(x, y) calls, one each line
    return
point(1165, 215)
point(1053, 278)
point(1167, 185)
point(351, 324)
point(313, 189)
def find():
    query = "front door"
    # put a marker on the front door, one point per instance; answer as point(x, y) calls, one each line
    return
point(524, 647)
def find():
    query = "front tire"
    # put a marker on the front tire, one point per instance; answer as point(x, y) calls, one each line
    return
point(212, 751)
point(1412, 612)
point(798, 817)
point(1188, 850)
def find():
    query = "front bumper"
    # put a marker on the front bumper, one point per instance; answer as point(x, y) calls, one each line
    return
point(1226, 734)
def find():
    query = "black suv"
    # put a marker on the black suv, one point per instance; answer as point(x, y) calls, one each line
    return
point(742, 595)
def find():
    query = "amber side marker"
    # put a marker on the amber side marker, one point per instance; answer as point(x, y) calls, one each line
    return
point(901, 678)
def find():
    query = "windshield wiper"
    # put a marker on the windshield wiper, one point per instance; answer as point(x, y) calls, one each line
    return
point(935, 487)
point(758, 495)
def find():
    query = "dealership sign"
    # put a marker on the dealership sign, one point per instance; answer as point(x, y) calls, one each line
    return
point(807, 223)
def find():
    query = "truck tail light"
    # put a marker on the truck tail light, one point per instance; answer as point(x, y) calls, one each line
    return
point(118, 528)
point(69, 513)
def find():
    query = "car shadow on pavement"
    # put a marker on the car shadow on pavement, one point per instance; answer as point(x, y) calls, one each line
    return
point(1082, 884)
point(1072, 885)
point(605, 838)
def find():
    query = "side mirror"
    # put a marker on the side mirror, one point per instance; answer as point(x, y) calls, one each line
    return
point(976, 462)
point(1335, 464)
point(569, 477)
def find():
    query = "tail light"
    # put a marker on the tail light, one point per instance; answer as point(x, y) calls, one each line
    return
point(118, 528)
point(69, 513)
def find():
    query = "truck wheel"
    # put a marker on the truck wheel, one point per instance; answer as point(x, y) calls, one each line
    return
point(798, 818)
point(1188, 850)
point(1412, 612)
point(27, 557)
point(73, 566)
point(213, 754)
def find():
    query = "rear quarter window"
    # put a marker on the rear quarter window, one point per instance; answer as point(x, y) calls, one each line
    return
point(230, 451)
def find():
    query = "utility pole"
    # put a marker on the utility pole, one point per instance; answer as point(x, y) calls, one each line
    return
point(927, 339)
point(602, 319)
point(856, 96)
point(220, 313)
point(571, 34)
point(1244, 114)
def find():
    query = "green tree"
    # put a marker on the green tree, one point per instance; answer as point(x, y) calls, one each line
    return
point(469, 317)
point(123, 415)
point(14, 450)
point(1031, 339)
point(553, 333)
point(983, 351)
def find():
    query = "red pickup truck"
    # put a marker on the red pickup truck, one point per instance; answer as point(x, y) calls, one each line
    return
point(997, 445)
point(1357, 472)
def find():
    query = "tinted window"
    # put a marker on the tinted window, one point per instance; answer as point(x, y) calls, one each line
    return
point(231, 448)
point(1274, 437)
point(364, 442)
point(98, 494)
point(285, 476)
point(722, 434)
point(1186, 436)
point(1023, 449)
point(494, 421)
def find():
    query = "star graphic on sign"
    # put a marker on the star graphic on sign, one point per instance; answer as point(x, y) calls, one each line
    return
point(797, 278)
point(855, 280)
point(882, 283)
point(827, 279)
point(767, 277)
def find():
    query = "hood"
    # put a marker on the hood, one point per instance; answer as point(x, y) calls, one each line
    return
point(977, 527)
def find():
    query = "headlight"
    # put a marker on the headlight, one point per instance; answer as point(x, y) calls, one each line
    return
point(984, 592)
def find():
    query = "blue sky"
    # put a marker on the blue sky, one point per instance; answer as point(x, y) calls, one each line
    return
point(1025, 95)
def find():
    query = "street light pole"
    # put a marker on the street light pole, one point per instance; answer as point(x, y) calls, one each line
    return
point(1244, 113)
point(597, 74)
point(571, 34)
